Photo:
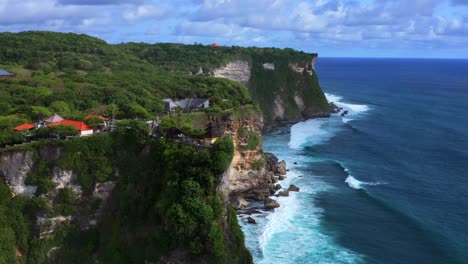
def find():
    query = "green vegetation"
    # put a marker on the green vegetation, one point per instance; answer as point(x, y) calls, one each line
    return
point(74, 74)
point(253, 141)
point(165, 199)
point(264, 85)
point(257, 164)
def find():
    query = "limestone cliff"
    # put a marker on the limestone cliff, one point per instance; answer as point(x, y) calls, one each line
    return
point(238, 71)
point(14, 168)
point(19, 170)
point(252, 172)
point(287, 89)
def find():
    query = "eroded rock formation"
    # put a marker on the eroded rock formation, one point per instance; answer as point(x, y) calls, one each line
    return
point(238, 71)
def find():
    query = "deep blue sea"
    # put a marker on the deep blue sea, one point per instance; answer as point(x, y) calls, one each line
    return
point(387, 183)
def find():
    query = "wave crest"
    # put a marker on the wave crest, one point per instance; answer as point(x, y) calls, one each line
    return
point(353, 109)
point(357, 184)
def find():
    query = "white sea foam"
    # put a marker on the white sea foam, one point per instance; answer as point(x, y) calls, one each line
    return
point(357, 184)
point(317, 131)
point(291, 234)
point(312, 132)
point(353, 109)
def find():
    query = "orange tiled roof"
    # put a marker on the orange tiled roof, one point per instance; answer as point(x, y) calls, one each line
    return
point(78, 125)
point(26, 126)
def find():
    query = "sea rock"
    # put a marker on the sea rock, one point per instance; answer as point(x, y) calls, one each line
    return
point(344, 113)
point(284, 193)
point(272, 190)
point(252, 211)
point(250, 220)
point(277, 187)
point(238, 202)
point(293, 188)
point(281, 168)
point(334, 109)
point(270, 204)
point(281, 177)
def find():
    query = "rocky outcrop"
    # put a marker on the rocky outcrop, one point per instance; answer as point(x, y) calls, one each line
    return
point(301, 68)
point(252, 174)
point(334, 109)
point(278, 108)
point(269, 66)
point(287, 90)
point(48, 225)
point(270, 204)
point(299, 101)
point(14, 169)
point(66, 178)
point(251, 220)
point(103, 191)
point(238, 71)
point(293, 188)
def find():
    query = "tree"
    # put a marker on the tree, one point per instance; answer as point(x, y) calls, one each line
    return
point(62, 131)
point(222, 152)
point(94, 122)
point(60, 107)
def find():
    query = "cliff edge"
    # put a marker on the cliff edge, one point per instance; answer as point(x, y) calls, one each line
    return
point(286, 88)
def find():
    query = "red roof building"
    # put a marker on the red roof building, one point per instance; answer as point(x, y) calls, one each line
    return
point(214, 45)
point(26, 126)
point(80, 126)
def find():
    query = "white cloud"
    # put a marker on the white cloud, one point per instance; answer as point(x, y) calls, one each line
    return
point(145, 11)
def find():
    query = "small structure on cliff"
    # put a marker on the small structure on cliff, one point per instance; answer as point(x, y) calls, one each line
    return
point(186, 104)
point(27, 126)
point(54, 119)
point(82, 128)
point(4, 74)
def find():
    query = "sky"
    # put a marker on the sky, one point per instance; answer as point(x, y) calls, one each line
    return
point(332, 28)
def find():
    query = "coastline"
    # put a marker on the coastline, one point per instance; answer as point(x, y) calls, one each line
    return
point(265, 228)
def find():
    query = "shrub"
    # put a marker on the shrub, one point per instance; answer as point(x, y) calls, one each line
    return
point(253, 141)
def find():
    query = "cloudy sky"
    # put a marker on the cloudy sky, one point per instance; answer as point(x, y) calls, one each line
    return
point(334, 28)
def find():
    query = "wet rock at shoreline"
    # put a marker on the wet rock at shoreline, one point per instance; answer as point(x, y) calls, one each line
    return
point(293, 188)
point(251, 220)
point(271, 204)
point(281, 168)
point(334, 109)
point(284, 193)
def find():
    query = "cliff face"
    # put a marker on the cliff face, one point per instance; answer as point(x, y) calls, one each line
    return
point(252, 173)
point(18, 170)
point(112, 189)
point(238, 71)
point(14, 168)
point(286, 89)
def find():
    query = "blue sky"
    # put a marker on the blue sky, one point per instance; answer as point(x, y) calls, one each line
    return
point(333, 28)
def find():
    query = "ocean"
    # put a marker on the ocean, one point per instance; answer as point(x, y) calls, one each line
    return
point(387, 183)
